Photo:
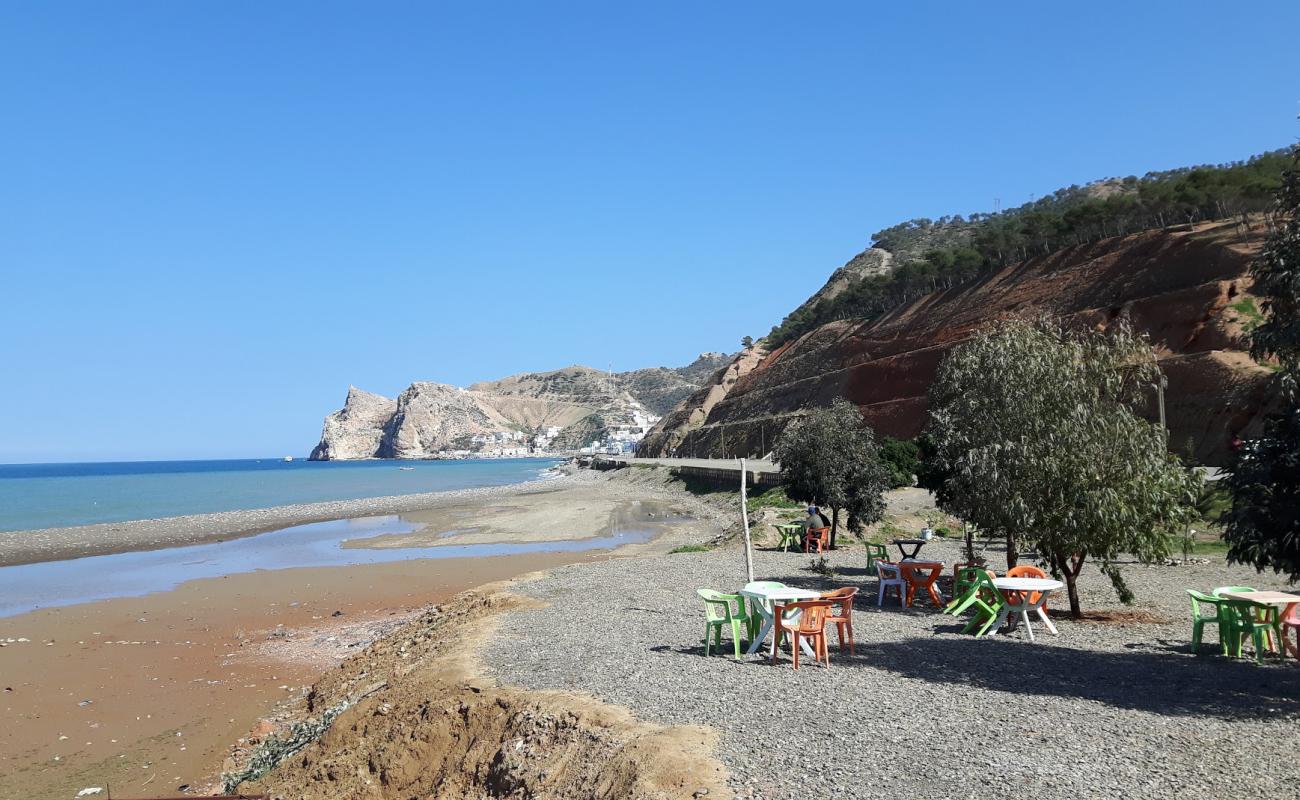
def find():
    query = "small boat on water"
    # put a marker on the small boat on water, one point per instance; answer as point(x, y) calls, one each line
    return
point(406, 469)
point(288, 458)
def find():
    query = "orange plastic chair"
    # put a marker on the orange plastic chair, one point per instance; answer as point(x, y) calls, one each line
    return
point(1027, 571)
point(842, 613)
point(820, 536)
point(922, 575)
point(810, 625)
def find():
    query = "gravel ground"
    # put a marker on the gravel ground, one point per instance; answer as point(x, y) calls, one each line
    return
point(1107, 709)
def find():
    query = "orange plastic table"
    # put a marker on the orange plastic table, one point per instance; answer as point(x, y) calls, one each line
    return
point(922, 575)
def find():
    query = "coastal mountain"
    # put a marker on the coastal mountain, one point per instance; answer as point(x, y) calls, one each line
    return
point(561, 409)
point(1168, 251)
point(1187, 287)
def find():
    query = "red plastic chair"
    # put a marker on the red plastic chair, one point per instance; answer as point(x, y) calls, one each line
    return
point(1291, 625)
point(842, 614)
point(922, 575)
point(811, 625)
point(819, 536)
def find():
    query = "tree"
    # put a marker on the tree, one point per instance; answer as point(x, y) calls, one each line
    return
point(747, 342)
point(1277, 280)
point(939, 254)
point(830, 458)
point(1035, 427)
point(902, 460)
point(1262, 527)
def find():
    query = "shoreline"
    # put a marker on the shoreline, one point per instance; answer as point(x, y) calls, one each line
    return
point(179, 684)
point(107, 538)
point(151, 692)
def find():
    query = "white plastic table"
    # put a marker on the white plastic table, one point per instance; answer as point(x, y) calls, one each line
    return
point(1025, 586)
point(1282, 600)
point(763, 599)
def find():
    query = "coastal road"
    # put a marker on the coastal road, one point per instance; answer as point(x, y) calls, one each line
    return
point(753, 464)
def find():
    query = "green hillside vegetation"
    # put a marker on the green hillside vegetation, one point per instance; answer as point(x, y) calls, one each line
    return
point(933, 255)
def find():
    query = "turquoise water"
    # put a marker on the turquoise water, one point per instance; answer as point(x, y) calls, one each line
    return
point(56, 495)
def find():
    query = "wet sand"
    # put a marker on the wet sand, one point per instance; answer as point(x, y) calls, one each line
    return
point(146, 694)
point(174, 678)
point(584, 512)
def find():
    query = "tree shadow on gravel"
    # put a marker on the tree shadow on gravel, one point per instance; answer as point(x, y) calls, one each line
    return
point(1156, 682)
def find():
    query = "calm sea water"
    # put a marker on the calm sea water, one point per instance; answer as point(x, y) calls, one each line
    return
point(55, 495)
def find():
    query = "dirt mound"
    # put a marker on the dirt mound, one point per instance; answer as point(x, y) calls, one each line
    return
point(422, 723)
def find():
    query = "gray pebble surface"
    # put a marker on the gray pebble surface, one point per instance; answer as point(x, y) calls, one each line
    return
point(1105, 709)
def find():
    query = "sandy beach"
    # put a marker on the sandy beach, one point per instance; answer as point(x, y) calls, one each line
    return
point(148, 694)
point(52, 544)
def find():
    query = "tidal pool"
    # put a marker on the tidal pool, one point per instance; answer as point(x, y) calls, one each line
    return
point(27, 587)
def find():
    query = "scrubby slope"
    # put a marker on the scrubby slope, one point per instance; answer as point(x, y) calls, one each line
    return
point(1187, 287)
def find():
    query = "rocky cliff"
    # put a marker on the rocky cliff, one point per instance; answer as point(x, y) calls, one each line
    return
point(582, 402)
point(357, 429)
point(693, 412)
point(660, 389)
point(434, 416)
point(1188, 288)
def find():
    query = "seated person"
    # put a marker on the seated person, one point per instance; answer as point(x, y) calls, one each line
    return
point(815, 519)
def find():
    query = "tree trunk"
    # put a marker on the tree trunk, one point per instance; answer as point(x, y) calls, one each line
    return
point(1069, 567)
point(835, 525)
point(1011, 550)
point(1073, 589)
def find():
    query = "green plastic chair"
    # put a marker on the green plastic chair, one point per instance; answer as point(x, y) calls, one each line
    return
point(1219, 592)
point(875, 552)
point(719, 613)
point(963, 588)
point(1200, 620)
point(985, 598)
point(1242, 618)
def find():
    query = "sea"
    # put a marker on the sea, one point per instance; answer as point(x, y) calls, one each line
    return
point(57, 495)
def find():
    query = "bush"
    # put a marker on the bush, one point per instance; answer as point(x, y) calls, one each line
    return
point(771, 498)
point(902, 460)
point(689, 548)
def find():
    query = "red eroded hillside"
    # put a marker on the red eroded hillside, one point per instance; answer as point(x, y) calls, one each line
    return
point(1188, 288)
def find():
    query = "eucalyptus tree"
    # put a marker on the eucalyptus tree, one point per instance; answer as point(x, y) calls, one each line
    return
point(1035, 427)
point(1262, 527)
point(830, 457)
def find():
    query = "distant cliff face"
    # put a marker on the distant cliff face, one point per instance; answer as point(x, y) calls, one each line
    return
point(356, 430)
point(692, 413)
point(1189, 289)
point(660, 389)
point(431, 417)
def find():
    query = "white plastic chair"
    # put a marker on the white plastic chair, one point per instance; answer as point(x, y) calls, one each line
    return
point(889, 575)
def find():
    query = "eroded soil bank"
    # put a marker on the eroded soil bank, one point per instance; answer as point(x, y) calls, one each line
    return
point(421, 721)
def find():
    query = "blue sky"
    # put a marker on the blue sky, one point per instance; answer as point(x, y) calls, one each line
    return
point(214, 216)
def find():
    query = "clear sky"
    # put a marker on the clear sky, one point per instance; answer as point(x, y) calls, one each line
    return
point(214, 216)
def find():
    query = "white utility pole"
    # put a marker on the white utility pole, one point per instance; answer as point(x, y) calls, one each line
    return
point(744, 515)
